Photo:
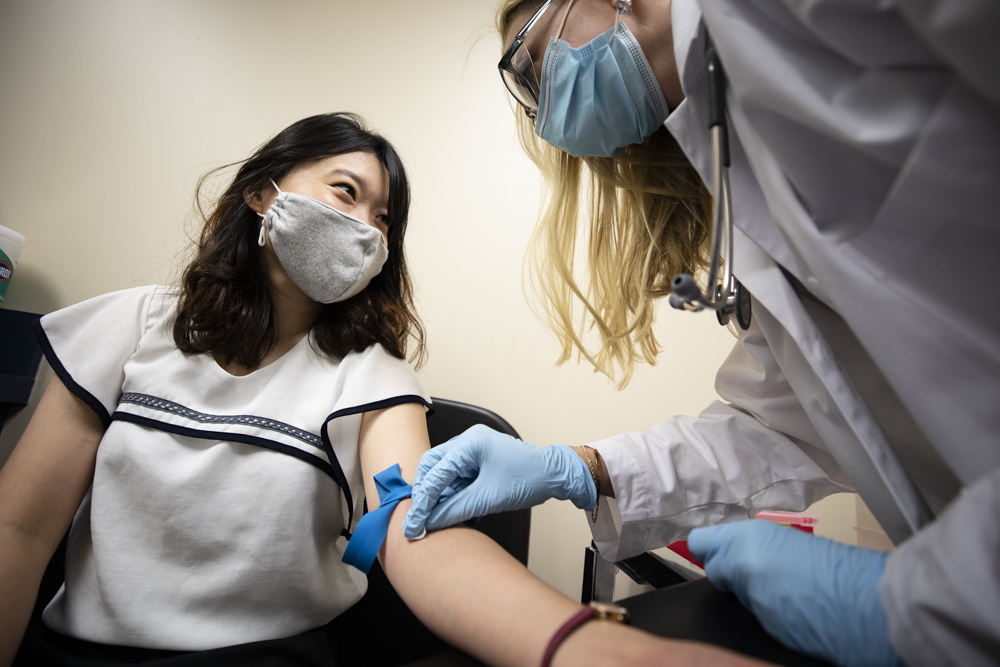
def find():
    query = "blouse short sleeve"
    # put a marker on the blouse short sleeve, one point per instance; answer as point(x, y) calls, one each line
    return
point(87, 344)
point(377, 380)
point(372, 380)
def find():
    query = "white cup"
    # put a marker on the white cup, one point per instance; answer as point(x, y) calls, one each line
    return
point(10, 249)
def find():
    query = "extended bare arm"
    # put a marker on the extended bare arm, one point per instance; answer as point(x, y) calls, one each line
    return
point(469, 591)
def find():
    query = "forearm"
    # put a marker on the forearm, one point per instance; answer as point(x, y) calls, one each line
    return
point(22, 564)
point(473, 594)
point(470, 592)
point(704, 468)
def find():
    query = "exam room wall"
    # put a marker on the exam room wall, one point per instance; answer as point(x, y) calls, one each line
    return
point(110, 111)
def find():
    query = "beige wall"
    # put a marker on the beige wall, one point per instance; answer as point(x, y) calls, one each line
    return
point(110, 110)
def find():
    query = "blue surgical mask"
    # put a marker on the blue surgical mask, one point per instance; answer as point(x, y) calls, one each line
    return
point(599, 98)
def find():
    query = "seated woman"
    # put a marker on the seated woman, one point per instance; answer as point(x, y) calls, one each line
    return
point(216, 443)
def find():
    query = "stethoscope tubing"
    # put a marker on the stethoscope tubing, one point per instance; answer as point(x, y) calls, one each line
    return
point(722, 296)
point(722, 220)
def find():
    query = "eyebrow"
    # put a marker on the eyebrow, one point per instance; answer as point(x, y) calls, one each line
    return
point(350, 174)
point(362, 183)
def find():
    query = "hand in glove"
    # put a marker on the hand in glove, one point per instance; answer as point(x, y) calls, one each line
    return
point(810, 593)
point(493, 472)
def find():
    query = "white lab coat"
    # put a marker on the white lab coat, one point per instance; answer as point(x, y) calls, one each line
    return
point(865, 140)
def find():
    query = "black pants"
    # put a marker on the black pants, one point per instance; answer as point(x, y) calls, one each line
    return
point(43, 647)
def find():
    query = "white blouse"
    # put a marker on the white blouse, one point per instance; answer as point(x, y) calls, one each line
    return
point(220, 505)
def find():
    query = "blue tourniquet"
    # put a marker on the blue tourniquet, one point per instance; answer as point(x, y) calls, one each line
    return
point(370, 533)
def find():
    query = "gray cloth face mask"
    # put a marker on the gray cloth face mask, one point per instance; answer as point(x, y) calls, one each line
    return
point(330, 255)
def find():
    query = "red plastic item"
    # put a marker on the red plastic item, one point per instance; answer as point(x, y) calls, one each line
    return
point(680, 547)
point(795, 520)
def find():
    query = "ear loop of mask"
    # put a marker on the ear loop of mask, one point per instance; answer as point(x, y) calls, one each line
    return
point(623, 7)
point(562, 24)
point(261, 238)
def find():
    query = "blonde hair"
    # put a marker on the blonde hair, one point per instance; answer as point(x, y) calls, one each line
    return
point(649, 216)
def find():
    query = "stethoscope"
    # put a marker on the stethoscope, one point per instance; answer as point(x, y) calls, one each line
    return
point(730, 297)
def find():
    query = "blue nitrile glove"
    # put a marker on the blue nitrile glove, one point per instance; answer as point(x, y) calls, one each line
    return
point(812, 594)
point(499, 474)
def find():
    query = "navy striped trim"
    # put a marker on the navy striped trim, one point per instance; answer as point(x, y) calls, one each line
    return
point(382, 405)
point(163, 405)
point(340, 477)
point(332, 468)
point(67, 379)
point(230, 437)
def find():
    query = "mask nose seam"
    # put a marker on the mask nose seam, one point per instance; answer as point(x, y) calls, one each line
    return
point(548, 65)
point(365, 262)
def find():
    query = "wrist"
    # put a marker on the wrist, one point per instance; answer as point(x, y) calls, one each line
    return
point(607, 643)
point(598, 611)
point(565, 630)
point(593, 460)
point(582, 489)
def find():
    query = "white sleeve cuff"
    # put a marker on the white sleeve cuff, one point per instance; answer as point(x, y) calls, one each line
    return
point(607, 531)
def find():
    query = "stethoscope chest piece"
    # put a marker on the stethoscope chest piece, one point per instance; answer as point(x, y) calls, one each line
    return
point(737, 303)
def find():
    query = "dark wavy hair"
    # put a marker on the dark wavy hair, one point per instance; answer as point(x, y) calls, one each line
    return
point(225, 303)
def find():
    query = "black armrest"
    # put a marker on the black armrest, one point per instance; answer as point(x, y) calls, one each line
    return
point(647, 568)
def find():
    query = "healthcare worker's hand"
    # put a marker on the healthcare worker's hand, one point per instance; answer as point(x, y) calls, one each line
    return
point(493, 472)
point(810, 593)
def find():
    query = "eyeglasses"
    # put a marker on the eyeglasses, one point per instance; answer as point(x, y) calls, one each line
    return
point(516, 67)
point(518, 71)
